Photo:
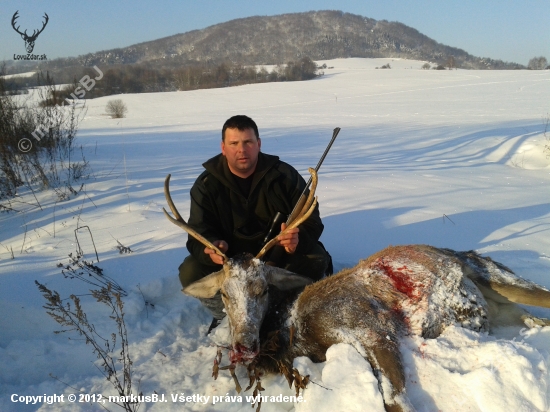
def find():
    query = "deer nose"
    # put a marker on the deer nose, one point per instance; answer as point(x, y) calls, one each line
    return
point(242, 353)
point(240, 348)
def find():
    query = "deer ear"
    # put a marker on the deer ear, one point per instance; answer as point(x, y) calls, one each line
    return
point(206, 287)
point(285, 280)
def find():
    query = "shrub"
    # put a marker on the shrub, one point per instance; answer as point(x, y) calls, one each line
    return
point(426, 66)
point(303, 69)
point(116, 109)
point(36, 143)
point(112, 352)
point(537, 63)
point(57, 96)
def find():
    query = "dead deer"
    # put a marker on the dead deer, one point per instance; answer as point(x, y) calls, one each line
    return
point(403, 290)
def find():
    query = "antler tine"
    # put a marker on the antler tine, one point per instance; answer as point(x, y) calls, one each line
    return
point(310, 197)
point(44, 24)
point(13, 19)
point(304, 214)
point(35, 32)
point(168, 197)
point(294, 224)
point(178, 221)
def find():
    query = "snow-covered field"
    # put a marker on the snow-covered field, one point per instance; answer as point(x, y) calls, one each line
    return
point(448, 158)
point(12, 76)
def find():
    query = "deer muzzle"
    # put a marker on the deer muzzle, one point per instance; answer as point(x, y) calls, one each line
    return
point(243, 354)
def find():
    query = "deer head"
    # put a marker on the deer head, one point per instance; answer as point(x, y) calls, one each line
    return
point(244, 282)
point(29, 40)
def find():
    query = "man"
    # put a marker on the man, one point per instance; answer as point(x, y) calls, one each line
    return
point(233, 204)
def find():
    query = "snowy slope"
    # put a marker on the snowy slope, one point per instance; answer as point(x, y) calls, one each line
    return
point(448, 158)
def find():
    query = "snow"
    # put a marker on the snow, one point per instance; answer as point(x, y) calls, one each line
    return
point(447, 158)
point(12, 76)
point(349, 376)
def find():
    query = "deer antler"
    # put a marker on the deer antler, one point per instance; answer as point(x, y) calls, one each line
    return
point(35, 35)
point(303, 215)
point(178, 221)
point(13, 19)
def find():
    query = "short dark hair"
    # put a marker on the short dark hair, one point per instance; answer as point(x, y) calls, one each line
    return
point(242, 123)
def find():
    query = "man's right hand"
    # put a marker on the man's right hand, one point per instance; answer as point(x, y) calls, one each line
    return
point(220, 244)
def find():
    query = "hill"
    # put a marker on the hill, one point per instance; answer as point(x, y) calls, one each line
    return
point(278, 39)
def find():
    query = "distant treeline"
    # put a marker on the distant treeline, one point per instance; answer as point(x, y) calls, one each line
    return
point(139, 78)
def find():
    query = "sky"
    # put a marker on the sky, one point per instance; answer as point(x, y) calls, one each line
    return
point(509, 30)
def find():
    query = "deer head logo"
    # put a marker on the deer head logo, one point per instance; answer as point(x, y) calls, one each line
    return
point(29, 40)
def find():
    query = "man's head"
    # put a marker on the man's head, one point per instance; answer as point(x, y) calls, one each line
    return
point(240, 145)
point(242, 123)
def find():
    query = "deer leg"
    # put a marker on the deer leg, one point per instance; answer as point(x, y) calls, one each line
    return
point(385, 360)
point(500, 284)
point(532, 321)
point(510, 314)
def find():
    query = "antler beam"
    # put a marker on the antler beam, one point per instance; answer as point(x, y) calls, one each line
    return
point(13, 19)
point(43, 26)
point(178, 221)
point(303, 215)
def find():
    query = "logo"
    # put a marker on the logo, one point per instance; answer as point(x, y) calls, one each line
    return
point(29, 40)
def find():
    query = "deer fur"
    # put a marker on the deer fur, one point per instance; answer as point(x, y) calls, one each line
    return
point(403, 290)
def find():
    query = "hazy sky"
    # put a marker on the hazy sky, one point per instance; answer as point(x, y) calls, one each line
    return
point(509, 30)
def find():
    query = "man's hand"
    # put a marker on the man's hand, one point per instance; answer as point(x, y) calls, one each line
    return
point(289, 240)
point(220, 244)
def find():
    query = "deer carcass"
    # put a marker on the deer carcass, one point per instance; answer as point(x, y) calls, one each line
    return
point(402, 290)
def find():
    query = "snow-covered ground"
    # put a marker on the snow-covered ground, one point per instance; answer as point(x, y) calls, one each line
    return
point(26, 74)
point(448, 158)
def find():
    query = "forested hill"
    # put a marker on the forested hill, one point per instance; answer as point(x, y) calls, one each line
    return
point(278, 39)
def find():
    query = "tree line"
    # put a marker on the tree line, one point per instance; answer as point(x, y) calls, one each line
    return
point(143, 78)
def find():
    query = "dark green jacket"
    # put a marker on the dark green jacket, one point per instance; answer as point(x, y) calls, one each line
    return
point(220, 212)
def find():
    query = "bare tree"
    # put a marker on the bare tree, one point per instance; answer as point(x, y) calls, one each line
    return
point(451, 63)
point(116, 108)
point(538, 63)
point(37, 142)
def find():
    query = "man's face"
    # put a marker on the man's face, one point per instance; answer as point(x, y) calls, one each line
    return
point(241, 150)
